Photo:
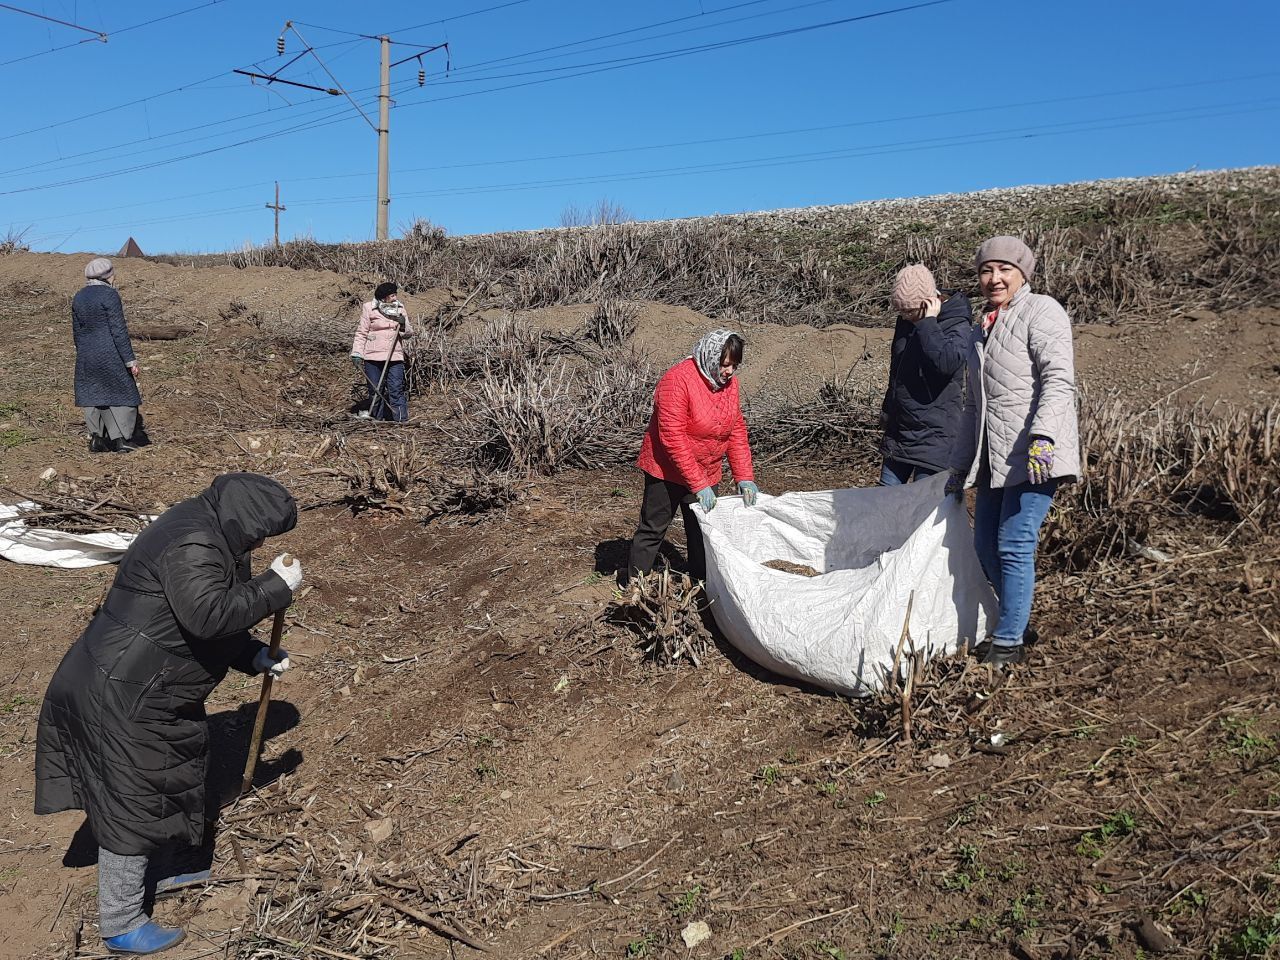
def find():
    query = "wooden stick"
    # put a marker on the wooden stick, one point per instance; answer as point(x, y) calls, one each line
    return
point(264, 698)
point(787, 929)
point(449, 932)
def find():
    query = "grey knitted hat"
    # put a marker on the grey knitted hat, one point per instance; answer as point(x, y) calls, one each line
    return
point(1007, 250)
point(99, 269)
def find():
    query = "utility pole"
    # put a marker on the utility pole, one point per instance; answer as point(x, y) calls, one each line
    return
point(277, 208)
point(383, 127)
point(384, 137)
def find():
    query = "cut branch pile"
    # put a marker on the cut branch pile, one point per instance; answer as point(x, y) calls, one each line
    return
point(72, 514)
point(663, 610)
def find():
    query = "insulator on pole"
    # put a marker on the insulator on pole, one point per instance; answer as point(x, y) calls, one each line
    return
point(280, 45)
point(422, 77)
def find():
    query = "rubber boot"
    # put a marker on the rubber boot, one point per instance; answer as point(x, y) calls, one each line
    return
point(99, 444)
point(148, 938)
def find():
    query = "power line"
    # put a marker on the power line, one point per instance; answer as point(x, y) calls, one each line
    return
point(527, 58)
point(977, 138)
point(418, 26)
point(135, 26)
point(605, 66)
point(97, 34)
point(895, 147)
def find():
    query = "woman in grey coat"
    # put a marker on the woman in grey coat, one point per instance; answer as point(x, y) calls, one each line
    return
point(106, 369)
point(1019, 437)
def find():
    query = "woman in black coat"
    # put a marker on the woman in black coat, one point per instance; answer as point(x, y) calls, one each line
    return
point(921, 410)
point(106, 369)
point(122, 732)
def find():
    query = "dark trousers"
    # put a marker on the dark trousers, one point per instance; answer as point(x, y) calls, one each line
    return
point(390, 403)
point(658, 509)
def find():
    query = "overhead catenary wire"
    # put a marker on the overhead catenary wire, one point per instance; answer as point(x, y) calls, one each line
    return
point(955, 141)
point(116, 33)
point(1090, 125)
point(96, 34)
point(608, 66)
point(706, 141)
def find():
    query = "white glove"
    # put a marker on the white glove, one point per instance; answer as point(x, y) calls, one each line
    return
point(291, 574)
point(262, 662)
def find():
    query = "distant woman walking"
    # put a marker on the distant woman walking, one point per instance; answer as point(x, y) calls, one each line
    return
point(378, 352)
point(1019, 436)
point(106, 369)
point(696, 421)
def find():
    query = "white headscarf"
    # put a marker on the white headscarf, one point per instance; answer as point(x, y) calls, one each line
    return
point(707, 353)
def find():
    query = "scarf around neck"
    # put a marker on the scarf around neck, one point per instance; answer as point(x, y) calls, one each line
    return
point(707, 353)
point(390, 310)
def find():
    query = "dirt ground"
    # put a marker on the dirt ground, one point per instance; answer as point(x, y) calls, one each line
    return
point(466, 750)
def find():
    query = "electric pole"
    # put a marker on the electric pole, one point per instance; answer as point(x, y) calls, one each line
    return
point(277, 208)
point(383, 128)
point(384, 136)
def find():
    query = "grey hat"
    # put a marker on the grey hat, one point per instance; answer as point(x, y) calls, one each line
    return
point(1007, 250)
point(99, 269)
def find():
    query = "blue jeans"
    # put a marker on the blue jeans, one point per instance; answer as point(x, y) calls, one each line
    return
point(896, 472)
point(1006, 531)
point(392, 392)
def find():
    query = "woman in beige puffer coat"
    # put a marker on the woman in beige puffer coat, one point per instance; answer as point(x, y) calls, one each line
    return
point(1019, 437)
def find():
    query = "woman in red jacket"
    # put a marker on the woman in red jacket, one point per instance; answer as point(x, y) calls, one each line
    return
point(696, 421)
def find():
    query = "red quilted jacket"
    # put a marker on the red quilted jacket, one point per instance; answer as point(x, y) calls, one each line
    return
point(691, 430)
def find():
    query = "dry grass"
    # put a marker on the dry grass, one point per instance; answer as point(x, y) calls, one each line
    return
point(1114, 253)
point(1148, 469)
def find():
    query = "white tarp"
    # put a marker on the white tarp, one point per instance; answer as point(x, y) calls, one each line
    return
point(56, 548)
point(873, 547)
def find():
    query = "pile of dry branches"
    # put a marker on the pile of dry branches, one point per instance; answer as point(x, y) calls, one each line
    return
point(76, 514)
point(841, 420)
point(663, 610)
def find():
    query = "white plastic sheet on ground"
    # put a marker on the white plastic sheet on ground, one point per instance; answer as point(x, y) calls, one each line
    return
point(873, 547)
point(55, 548)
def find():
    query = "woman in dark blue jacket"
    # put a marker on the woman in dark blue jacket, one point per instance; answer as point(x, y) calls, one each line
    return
point(921, 408)
point(106, 369)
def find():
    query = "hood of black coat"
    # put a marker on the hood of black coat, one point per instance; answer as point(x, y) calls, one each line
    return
point(250, 508)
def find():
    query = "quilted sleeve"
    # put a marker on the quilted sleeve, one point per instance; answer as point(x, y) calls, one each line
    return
point(964, 449)
point(1049, 342)
point(944, 340)
point(740, 451)
point(362, 334)
point(671, 404)
point(194, 578)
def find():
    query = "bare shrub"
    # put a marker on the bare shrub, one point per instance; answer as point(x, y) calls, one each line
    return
point(662, 610)
point(469, 494)
point(545, 416)
point(841, 420)
point(1143, 468)
point(604, 212)
point(387, 479)
point(612, 322)
point(14, 241)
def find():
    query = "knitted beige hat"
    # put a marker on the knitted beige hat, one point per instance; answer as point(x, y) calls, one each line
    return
point(913, 285)
point(1007, 250)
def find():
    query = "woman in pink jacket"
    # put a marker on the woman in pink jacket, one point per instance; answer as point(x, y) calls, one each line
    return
point(696, 421)
point(379, 345)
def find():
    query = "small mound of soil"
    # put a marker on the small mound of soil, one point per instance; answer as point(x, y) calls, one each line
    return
point(786, 566)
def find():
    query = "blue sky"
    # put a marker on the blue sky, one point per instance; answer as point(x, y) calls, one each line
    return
point(669, 114)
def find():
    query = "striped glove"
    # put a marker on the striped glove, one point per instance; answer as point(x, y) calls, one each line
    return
point(1040, 460)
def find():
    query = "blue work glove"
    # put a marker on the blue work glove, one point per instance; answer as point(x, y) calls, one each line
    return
point(1040, 460)
point(358, 361)
point(955, 484)
point(707, 498)
point(749, 492)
